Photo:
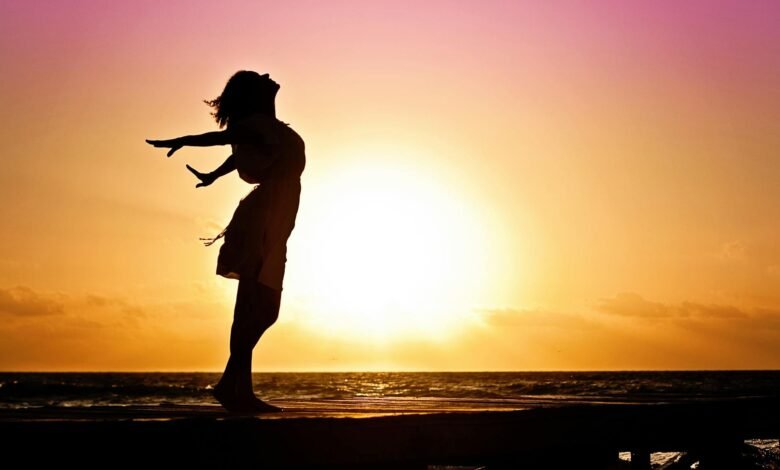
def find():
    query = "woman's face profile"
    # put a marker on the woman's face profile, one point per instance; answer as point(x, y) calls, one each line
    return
point(274, 85)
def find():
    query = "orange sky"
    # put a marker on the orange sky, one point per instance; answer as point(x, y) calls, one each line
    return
point(489, 186)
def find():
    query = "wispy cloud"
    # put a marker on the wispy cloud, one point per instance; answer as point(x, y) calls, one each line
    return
point(511, 317)
point(22, 301)
point(114, 302)
point(633, 305)
point(628, 304)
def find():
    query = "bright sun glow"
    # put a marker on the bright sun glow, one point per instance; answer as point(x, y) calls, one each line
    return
point(388, 253)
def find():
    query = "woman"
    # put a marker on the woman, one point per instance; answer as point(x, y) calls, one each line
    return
point(271, 155)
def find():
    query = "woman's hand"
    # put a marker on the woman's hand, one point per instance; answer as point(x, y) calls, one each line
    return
point(205, 178)
point(173, 144)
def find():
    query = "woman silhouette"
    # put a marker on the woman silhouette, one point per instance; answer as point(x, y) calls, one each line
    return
point(270, 155)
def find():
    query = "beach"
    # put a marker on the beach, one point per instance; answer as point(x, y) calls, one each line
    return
point(415, 437)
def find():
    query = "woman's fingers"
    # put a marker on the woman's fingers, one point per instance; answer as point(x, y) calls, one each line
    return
point(204, 179)
point(195, 172)
point(165, 143)
point(159, 143)
point(172, 143)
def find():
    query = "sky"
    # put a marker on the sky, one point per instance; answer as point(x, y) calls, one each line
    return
point(497, 185)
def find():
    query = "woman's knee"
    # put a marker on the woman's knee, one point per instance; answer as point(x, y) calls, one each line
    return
point(269, 300)
point(257, 306)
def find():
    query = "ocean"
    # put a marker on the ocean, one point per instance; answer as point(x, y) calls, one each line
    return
point(478, 389)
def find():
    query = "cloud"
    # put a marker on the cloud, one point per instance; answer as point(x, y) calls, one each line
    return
point(633, 305)
point(114, 302)
point(21, 301)
point(23, 304)
point(710, 311)
point(510, 317)
point(734, 250)
point(96, 331)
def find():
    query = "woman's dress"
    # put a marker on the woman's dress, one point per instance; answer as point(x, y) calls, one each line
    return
point(255, 240)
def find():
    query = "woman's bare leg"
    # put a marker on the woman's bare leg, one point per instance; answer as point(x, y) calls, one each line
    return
point(257, 308)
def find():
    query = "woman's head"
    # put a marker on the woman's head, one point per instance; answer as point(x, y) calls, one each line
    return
point(246, 92)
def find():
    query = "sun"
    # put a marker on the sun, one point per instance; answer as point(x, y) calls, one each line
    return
point(388, 251)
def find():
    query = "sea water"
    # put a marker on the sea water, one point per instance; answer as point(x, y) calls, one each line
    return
point(30, 389)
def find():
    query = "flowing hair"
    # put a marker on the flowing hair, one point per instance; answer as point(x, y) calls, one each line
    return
point(246, 92)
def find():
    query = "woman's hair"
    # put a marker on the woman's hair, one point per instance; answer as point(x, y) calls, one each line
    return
point(246, 92)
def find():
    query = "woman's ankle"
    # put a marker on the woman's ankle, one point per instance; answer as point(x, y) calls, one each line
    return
point(224, 384)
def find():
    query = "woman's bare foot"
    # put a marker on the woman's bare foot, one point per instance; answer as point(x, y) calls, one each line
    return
point(263, 407)
point(251, 403)
point(241, 404)
point(227, 398)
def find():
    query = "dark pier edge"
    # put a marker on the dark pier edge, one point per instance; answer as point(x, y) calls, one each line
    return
point(572, 436)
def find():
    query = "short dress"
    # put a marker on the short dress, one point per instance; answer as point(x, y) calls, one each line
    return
point(255, 240)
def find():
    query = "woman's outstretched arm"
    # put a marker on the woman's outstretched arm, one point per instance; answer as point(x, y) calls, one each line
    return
point(199, 140)
point(206, 140)
point(232, 135)
point(207, 178)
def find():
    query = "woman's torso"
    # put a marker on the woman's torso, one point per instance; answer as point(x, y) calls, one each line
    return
point(276, 197)
point(252, 159)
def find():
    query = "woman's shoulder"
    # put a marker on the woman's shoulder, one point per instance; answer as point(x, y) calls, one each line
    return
point(265, 119)
point(255, 121)
point(273, 129)
point(255, 124)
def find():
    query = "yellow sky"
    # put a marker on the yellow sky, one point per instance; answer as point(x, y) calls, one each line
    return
point(482, 191)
